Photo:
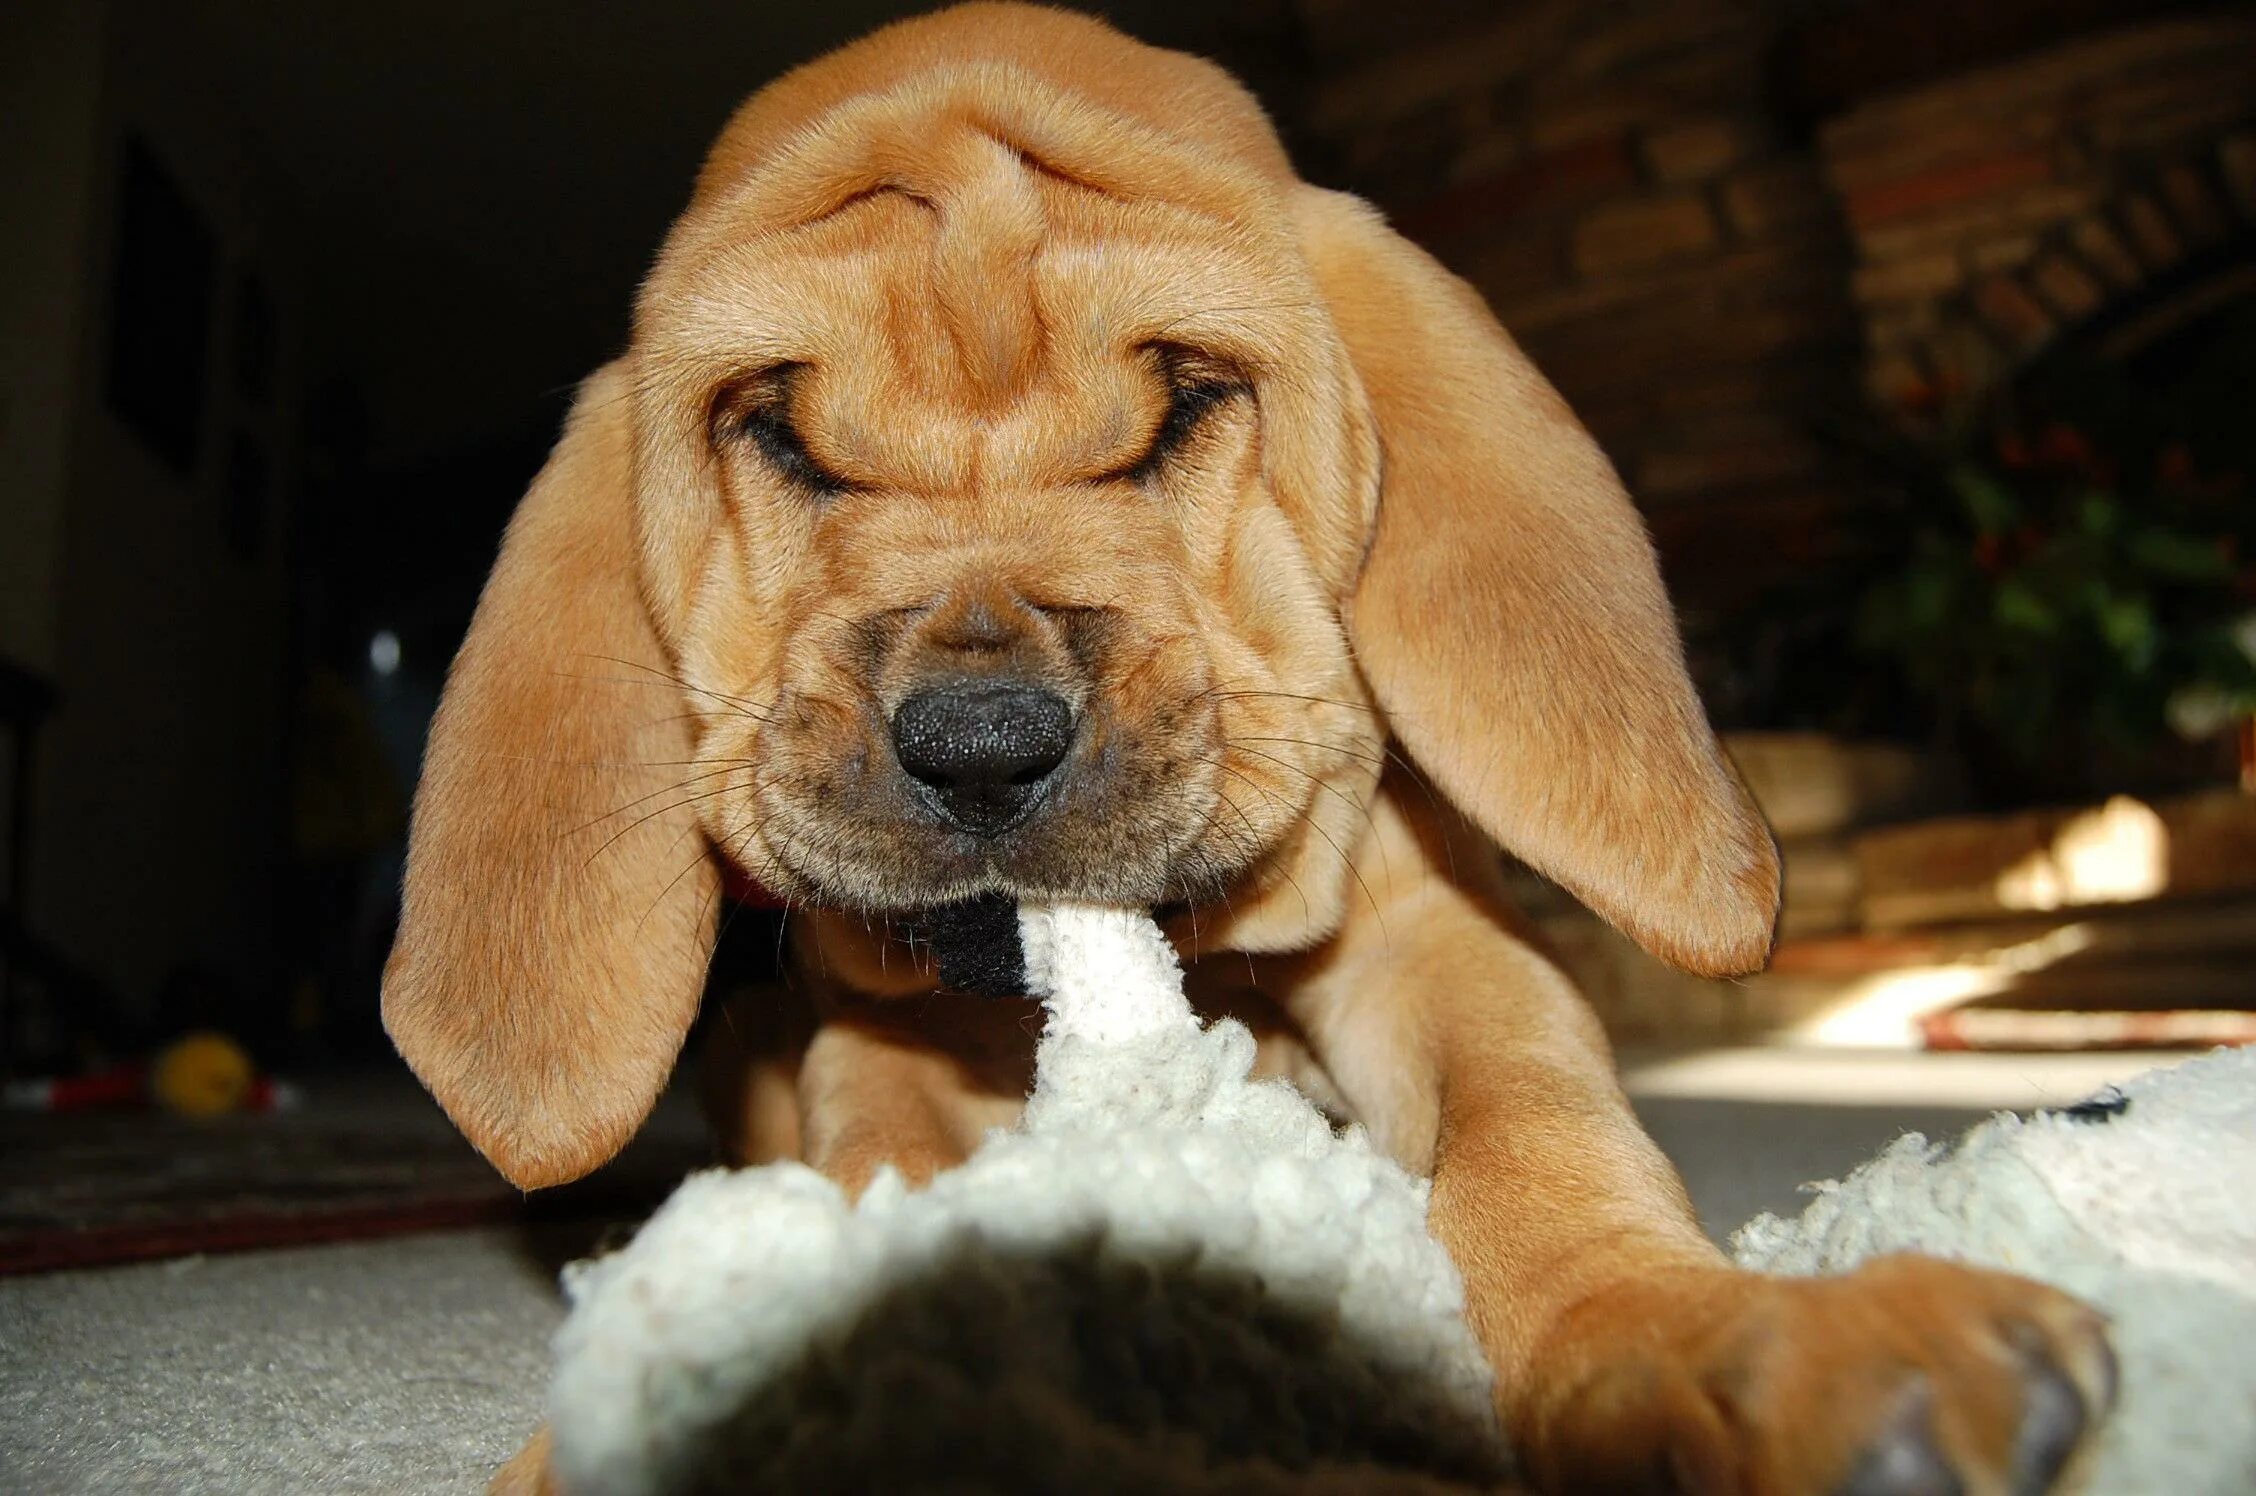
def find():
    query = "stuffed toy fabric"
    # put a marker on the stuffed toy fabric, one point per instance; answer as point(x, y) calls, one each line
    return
point(2140, 1201)
point(1169, 1276)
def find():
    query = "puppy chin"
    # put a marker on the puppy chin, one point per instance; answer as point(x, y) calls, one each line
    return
point(907, 885)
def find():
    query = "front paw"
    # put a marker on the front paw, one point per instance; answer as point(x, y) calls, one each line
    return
point(1908, 1377)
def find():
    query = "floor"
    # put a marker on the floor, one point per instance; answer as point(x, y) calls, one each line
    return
point(415, 1364)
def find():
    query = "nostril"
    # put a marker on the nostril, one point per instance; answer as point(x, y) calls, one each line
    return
point(983, 745)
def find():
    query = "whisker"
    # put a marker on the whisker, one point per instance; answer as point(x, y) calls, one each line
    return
point(618, 680)
point(704, 853)
point(732, 714)
point(750, 708)
point(614, 763)
point(1376, 759)
point(1317, 826)
point(1359, 807)
point(667, 675)
point(653, 815)
point(1308, 909)
point(1221, 883)
point(1411, 771)
point(1349, 706)
point(674, 788)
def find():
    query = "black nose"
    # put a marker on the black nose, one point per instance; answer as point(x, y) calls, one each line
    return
point(984, 747)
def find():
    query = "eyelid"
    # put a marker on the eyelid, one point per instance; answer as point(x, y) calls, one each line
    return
point(1197, 385)
point(760, 408)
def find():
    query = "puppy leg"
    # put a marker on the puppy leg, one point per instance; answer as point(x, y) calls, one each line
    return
point(870, 1095)
point(527, 1473)
point(866, 1096)
point(749, 1074)
point(1630, 1355)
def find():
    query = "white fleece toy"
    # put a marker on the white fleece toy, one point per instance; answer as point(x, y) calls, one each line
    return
point(1171, 1277)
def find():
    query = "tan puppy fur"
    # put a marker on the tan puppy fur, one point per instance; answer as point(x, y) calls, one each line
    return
point(999, 345)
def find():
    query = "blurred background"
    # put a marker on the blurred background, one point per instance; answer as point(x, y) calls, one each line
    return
point(1923, 332)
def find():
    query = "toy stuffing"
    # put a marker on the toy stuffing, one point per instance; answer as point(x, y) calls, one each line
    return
point(1171, 1277)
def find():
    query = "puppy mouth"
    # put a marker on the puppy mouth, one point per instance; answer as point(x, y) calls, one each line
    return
point(1005, 785)
point(1057, 846)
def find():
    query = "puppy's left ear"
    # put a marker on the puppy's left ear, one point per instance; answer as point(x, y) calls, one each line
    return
point(1510, 617)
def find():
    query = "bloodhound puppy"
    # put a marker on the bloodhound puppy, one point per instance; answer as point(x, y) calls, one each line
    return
point(1019, 482)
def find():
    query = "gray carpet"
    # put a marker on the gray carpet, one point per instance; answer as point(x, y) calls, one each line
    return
point(397, 1366)
point(416, 1364)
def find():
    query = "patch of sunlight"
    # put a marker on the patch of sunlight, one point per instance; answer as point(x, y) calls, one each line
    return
point(1883, 1011)
point(2116, 854)
point(1881, 1078)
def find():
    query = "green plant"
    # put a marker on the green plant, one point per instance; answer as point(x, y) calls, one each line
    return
point(2057, 598)
point(2056, 584)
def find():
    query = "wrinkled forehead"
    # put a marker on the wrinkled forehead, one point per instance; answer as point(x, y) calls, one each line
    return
point(947, 275)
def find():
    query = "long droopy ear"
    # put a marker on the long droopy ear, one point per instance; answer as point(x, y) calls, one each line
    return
point(554, 937)
point(1510, 617)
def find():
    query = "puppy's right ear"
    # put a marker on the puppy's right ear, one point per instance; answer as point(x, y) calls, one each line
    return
point(560, 906)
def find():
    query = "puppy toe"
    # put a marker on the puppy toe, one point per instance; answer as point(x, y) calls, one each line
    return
point(1903, 1458)
point(2057, 1407)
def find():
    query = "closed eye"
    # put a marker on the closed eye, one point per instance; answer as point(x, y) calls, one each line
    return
point(1197, 386)
point(760, 410)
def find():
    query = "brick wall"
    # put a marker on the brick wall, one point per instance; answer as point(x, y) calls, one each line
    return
point(1702, 272)
point(1614, 178)
point(1995, 210)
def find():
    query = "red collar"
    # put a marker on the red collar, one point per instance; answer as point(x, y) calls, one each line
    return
point(751, 894)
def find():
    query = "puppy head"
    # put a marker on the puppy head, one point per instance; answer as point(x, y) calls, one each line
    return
point(964, 504)
point(993, 485)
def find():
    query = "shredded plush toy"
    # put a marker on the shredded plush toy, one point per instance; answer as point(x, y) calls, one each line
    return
point(2142, 1202)
point(1169, 1276)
